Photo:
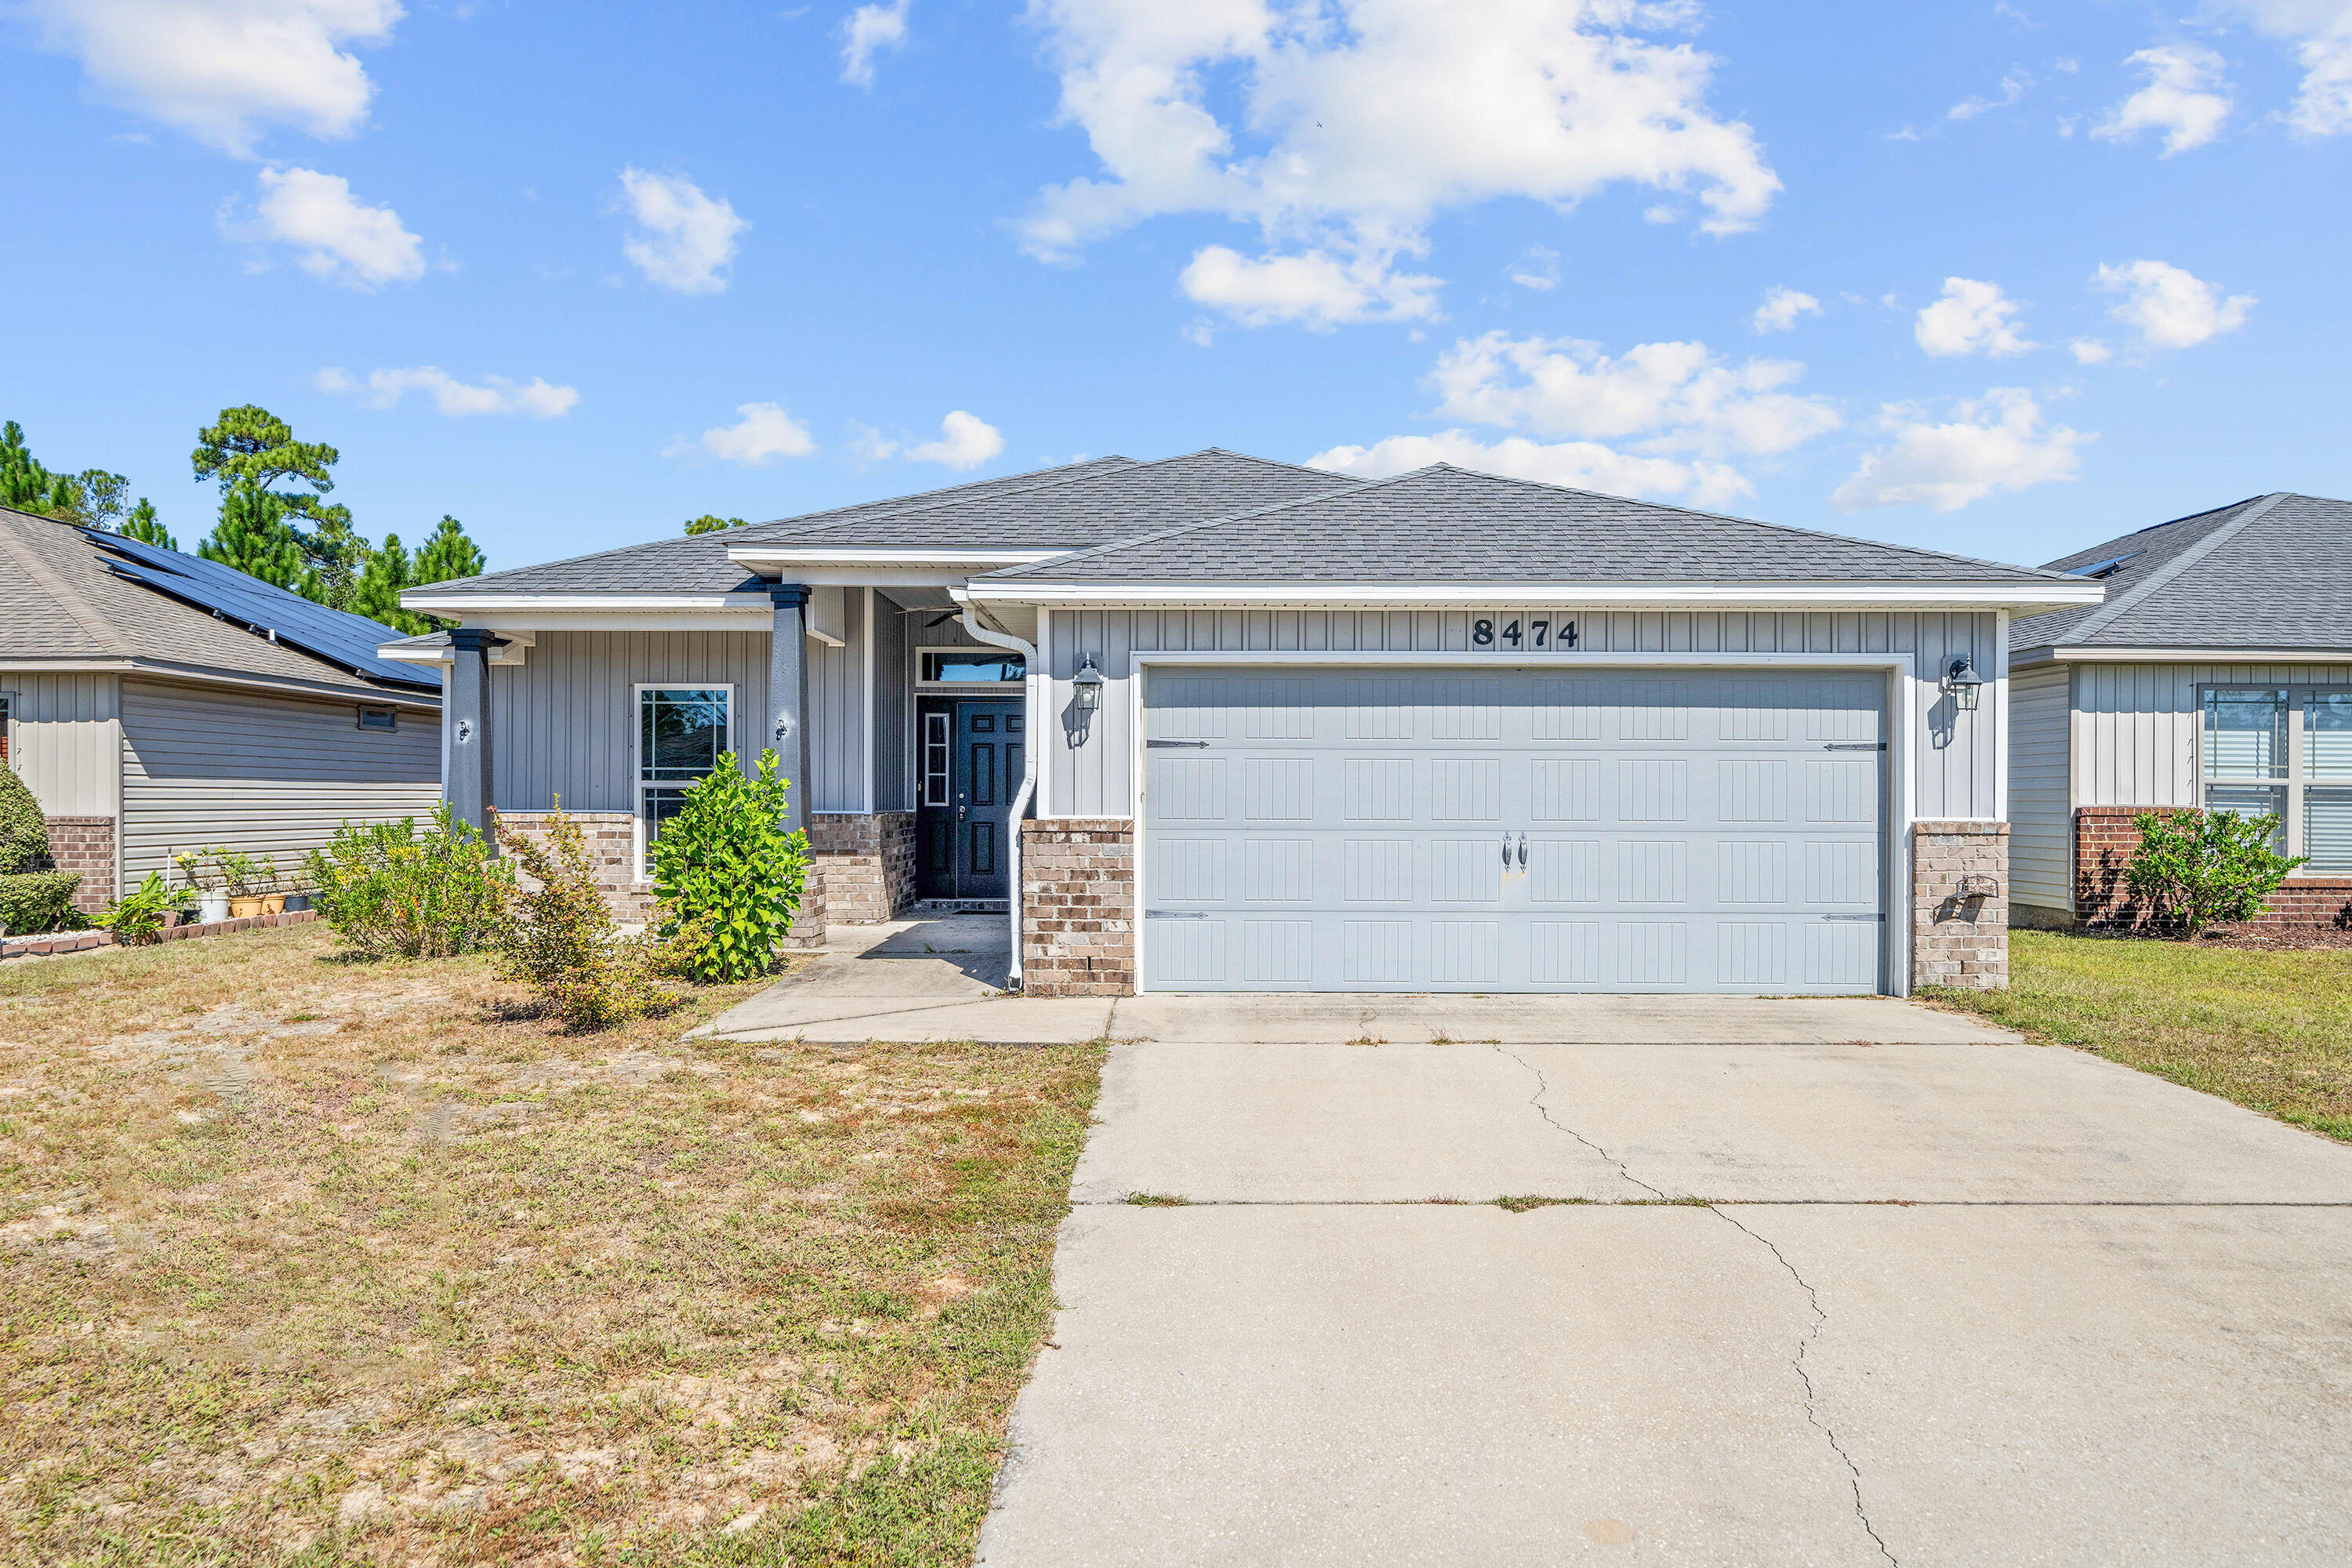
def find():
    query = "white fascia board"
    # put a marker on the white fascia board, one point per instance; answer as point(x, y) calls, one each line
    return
point(770, 557)
point(523, 608)
point(510, 654)
point(2063, 653)
point(2026, 598)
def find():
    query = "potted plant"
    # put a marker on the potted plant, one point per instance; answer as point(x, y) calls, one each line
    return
point(212, 901)
point(240, 872)
point(273, 901)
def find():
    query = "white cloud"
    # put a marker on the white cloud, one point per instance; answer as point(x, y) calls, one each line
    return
point(869, 30)
point(1538, 267)
point(2171, 308)
point(1989, 444)
point(2013, 86)
point(683, 237)
point(1353, 124)
point(965, 441)
point(2321, 34)
point(1316, 290)
point(1780, 309)
point(1665, 397)
point(335, 236)
point(764, 433)
point(1585, 464)
point(495, 394)
point(2186, 97)
point(1970, 317)
point(2091, 350)
point(219, 69)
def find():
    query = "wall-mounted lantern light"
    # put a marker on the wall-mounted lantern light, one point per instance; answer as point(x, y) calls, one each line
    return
point(1963, 682)
point(1086, 686)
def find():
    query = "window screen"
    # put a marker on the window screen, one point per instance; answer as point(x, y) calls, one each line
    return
point(2284, 752)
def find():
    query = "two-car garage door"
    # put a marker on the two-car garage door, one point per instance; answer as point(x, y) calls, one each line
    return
point(1325, 829)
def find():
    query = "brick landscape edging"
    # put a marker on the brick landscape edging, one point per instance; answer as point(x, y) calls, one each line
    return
point(81, 941)
point(1956, 940)
point(2106, 838)
point(1077, 933)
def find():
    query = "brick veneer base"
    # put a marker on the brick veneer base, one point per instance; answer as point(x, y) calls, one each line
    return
point(1077, 879)
point(2106, 838)
point(868, 864)
point(610, 837)
point(86, 843)
point(1958, 941)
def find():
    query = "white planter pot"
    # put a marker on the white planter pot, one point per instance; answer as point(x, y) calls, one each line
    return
point(210, 907)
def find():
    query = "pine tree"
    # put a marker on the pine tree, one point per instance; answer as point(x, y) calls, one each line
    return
point(25, 484)
point(249, 445)
point(142, 526)
point(707, 524)
point(377, 595)
point(448, 554)
point(253, 538)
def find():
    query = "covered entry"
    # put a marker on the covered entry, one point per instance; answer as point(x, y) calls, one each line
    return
point(1514, 829)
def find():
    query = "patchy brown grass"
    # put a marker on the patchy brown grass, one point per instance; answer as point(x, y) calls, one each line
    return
point(2268, 1025)
point(321, 1262)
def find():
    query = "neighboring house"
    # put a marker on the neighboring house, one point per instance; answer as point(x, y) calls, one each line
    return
point(1281, 730)
point(2217, 674)
point(157, 702)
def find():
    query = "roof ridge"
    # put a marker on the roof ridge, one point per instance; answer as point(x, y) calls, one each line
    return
point(2107, 614)
point(69, 598)
point(1157, 534)
point(929, 500)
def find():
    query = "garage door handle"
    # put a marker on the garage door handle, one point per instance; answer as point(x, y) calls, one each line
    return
point(1855, 746)
point(1202, 743)
point(1523, 848)
point(1507, 851)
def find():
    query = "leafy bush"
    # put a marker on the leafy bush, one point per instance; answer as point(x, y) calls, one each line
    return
point(35, 901)
point(728, 876)
point(2195, 867)
point(23, 832)
point(137, 919)
point(391, 889)
point(560, 940)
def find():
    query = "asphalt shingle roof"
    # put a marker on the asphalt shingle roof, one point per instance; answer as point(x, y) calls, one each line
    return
point(1445, 523)
point(2273, 571)
point(59, 600)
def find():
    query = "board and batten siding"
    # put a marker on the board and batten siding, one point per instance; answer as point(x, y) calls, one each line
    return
point(894, 714)
point(266, 776)
point(2136, 725)
point(1956, 759)
point(2041, 811)
point(66, 740)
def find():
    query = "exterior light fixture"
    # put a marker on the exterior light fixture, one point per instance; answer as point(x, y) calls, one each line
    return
point(1964, 683)
point(1086, 686)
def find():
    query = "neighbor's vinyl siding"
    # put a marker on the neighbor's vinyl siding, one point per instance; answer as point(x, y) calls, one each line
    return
point(266, 776)
point(2136, 725)
point(1956, 757)
point(65, 743)
point(2042, 816)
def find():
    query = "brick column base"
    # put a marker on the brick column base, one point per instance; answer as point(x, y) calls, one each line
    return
point(1077, 935)
point(1958, 938)
point(86, 843)
point(610, 837)
point(2107, 837)
point(868, 862)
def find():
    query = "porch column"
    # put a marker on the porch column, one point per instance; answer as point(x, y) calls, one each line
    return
point(788, 697)
point(466, 787)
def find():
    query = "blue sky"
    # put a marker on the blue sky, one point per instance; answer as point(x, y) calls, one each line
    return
point(2044, 273)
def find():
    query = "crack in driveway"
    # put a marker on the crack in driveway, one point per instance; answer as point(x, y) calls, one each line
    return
point(1812, 1297)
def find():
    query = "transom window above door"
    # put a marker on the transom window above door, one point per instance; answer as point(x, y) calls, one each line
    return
point(970, 667)
point(2284, 751)
point(682, 732)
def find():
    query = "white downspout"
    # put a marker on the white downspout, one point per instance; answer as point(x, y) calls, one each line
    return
point(1034, 698)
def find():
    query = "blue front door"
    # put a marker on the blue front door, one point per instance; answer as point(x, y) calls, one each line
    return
point(969, 754)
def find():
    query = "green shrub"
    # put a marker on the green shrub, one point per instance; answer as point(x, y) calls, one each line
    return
point(2195, 867)
point(36, 901)
point(391, 889)
point(728, 876)
point(560, 940)
point(23, 832)
point(137, 919)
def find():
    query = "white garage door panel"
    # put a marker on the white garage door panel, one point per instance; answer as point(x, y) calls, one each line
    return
point(1513, 830)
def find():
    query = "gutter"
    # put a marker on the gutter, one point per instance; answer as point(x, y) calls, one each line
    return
point(1034, 699)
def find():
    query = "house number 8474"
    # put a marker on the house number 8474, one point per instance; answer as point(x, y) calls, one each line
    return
point(1522, 633)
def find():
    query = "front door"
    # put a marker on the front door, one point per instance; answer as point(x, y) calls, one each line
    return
point(969, 752)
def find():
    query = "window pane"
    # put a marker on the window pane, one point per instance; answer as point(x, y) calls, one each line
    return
point(2327, 735)
point(660, 805)
point(681, 733)
point(2245, 734)
point(2251, 800)
point(2328, 829)
point(977, 665)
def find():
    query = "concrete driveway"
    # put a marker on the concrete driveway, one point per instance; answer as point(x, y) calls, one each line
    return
point(1937, 1299)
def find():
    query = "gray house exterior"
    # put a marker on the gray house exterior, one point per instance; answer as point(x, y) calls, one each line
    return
point(1216, 722)
point(2217, 674)
point(147, 723)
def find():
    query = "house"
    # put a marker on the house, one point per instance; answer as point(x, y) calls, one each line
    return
point(1214, 722)
point(156, 702)
point(2217, 674)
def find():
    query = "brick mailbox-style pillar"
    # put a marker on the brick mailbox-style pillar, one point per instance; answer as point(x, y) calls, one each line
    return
point(86, 843)
point(1078, 936)
point(1959, 904)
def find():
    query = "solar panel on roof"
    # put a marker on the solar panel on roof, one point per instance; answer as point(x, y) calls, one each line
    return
point(341, 638)
point(2102, 568)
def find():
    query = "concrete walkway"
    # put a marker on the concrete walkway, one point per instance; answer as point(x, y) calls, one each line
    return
point(1950, 1300)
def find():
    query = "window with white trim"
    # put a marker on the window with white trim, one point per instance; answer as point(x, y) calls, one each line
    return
point(2284, 751)
point(7, 711)
point(682, 732)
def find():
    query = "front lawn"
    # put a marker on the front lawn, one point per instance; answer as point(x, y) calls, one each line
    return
point(322, 1261)
point(2269, 1030)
